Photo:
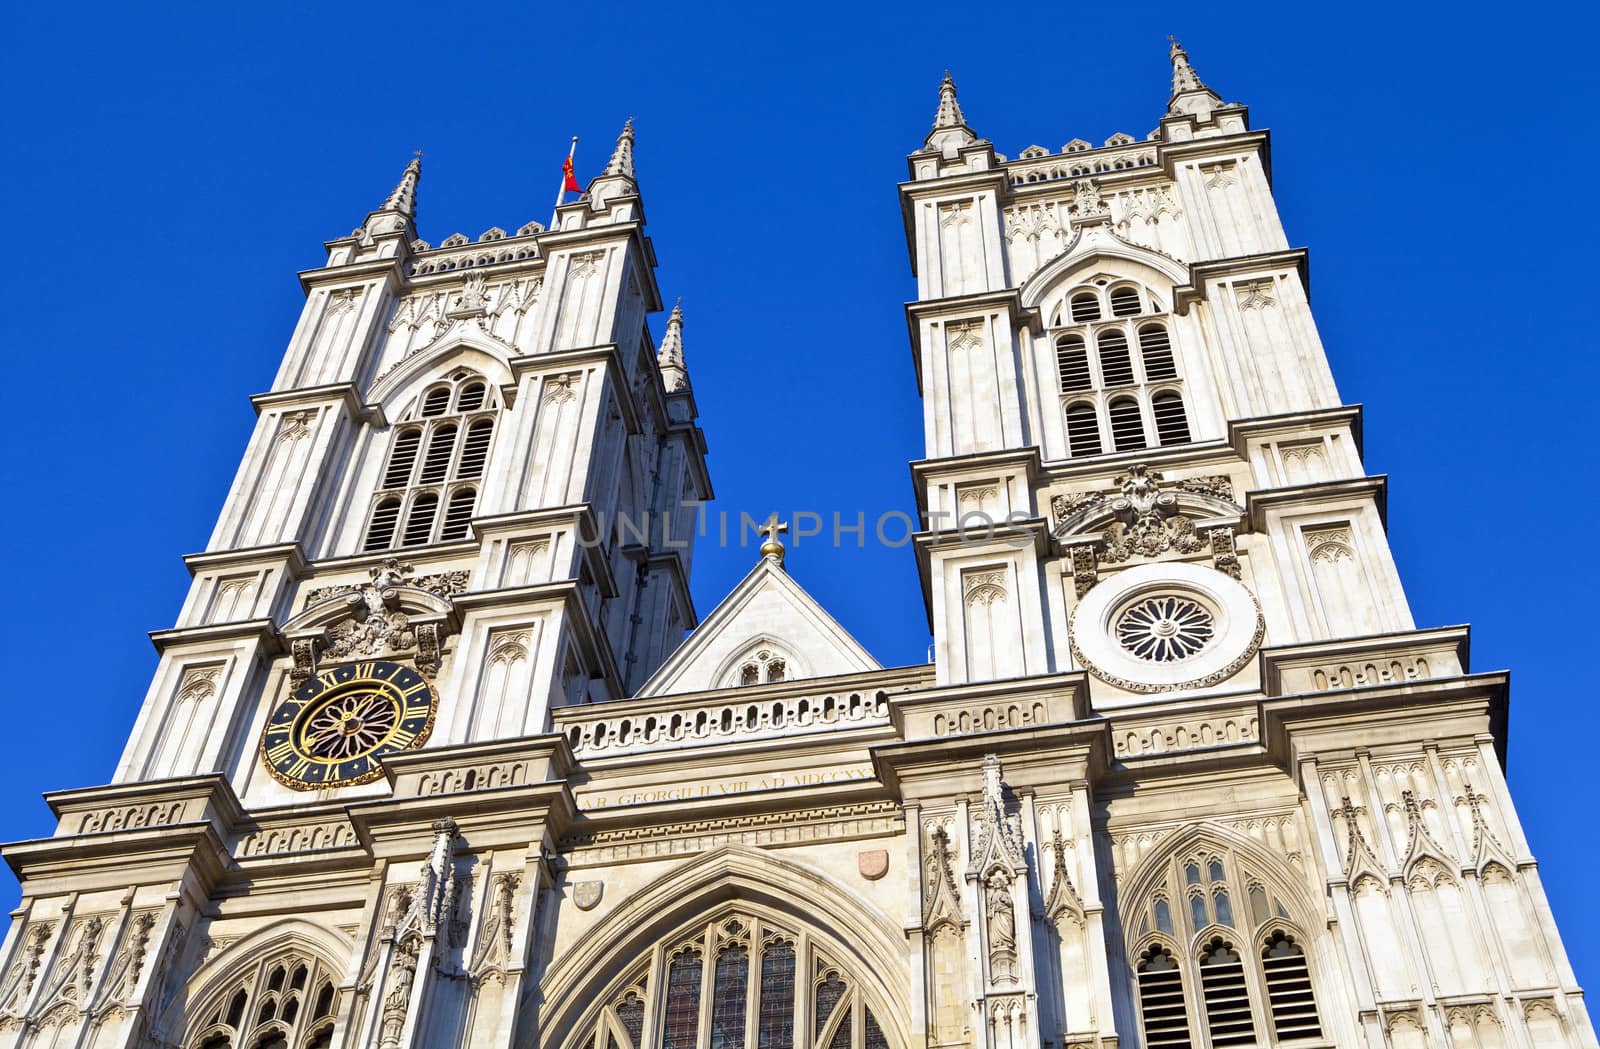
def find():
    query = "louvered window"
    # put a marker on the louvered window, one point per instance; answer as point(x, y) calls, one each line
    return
point(1127, 425)
point(1072, 363)
point(458, 514)
point(420, 500)
point(1172, 427)
point(1083, 429)
point(1102, 357)
point(1227, 997)
point(419, 520)
point(1124, 302)
point(1294, 1009)
point(380, 533)
point(1156, 349)
point(1116, 367)
point(402, 457)
point(1161, 1005)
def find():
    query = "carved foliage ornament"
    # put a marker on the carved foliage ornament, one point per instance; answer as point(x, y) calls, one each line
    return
point(1147, 520)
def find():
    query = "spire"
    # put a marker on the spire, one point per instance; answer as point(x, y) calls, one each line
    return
point(404, 197)
point(949, 114)
point(622, 157)
point(949, 125)
point(398, 211)
point(1189, 93)
point(669, 358)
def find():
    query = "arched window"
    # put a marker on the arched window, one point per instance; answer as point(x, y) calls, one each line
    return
point(1253, 958)
point(1294, 1010)
point(1116, 367)
point(1072, 363)
point(1150, 417)
point(1083, 429)
point(1227, 997)
point(1127, 425)
point(762, 664)
point(1155, 347)
point(733, 984)
point(447, 443)
point(287, 1000)
point(1161, 1008)
point(1172, 427)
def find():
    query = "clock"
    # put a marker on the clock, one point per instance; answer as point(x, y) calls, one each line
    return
point(332, 730)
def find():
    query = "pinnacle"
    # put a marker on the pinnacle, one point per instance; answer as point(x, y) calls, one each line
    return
point(669, 358)
point(404, 197)
point(1184, 78)
point(949, 113)
point(621, 162)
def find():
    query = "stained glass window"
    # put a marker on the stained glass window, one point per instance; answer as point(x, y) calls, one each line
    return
point(776, 1010)
point(682, 1027)
point(828, 994)
point(727, 998)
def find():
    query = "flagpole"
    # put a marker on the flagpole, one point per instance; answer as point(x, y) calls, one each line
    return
point(561, 194)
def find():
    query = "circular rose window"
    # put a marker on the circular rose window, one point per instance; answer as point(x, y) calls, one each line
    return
point(1165, 627)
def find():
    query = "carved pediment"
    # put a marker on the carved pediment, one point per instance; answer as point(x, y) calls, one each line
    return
point(1145, 515)
point(395, 614)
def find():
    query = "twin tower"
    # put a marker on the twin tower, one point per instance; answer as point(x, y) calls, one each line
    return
point(440, 752)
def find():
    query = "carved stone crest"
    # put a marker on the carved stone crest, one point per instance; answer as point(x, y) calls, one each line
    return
point(586, 894)
point(872, 863)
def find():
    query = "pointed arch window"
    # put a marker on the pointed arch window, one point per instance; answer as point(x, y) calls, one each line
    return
point(1135, 397)
point(739, 982)
point(287, 999)
point(430, 456)
point(1254, 983)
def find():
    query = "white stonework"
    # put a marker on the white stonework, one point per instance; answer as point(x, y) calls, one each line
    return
point(1182, 771)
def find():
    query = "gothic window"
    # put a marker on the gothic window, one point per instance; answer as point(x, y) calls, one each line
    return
point(1095, 355)
point(1244, 958)
point(740, 982)
point(763, 664)
point(434, 461)
point(287, 1000)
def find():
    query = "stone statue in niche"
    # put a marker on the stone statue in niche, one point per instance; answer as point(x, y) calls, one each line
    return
point(1002, 928)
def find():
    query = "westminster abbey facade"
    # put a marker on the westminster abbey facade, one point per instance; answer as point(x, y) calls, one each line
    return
point(436, 756)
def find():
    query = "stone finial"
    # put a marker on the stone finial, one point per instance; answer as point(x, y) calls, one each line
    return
point(1190, 95)
point(621, 163)
point(669, 358)
point(404, 198)
point(949, 124)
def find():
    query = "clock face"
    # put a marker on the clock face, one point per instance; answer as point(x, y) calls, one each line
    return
point(331, 731)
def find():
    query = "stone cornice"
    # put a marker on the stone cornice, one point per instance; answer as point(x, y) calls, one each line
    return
point(934, 768)
point(289, 555)
point(261, 631)
point(593, 236)
point(607, 355)
point(391, 267)
point(1168, 154)
point(1316, 420)
point(924, 472)
point(1200, 272)
point(578, 516)
point(346, 394)
point(966, 306)
point(1376, 487)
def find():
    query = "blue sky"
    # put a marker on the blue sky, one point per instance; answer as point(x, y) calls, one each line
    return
point(170, 167)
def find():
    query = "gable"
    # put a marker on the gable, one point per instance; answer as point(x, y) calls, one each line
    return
point(767, 619)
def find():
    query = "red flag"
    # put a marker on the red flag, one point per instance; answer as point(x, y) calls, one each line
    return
point(571, 183)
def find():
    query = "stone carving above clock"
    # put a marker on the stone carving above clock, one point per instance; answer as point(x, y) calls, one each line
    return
point(396, 614)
